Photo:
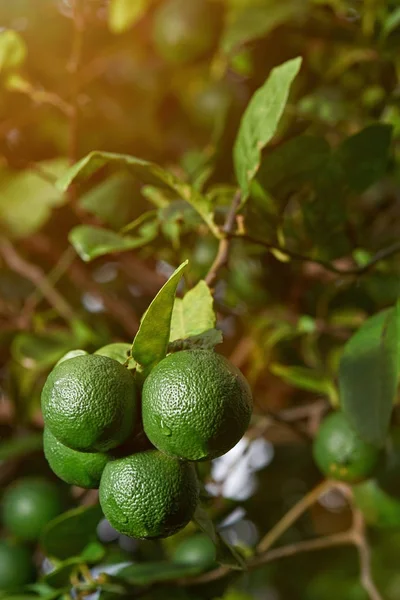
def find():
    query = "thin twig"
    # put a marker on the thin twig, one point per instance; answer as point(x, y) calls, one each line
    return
point(293, 514)
point(364, 555)
point(223, 249)
point(35, 274)
point(53, 277)
point(337, 539)
point(330, 541)
point(357, 271)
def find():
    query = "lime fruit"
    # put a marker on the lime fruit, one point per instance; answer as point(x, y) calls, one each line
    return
point(198, 550)
point(149, 494)
point(196, 405)
point(184, 31)
point(28, 505)
point(340, 453)
point(206, 102)
point(89, 403)
point(83, 469)
point(16, 566)
point(379, 508)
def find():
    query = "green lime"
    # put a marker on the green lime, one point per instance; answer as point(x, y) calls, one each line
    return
point(198, 550)
point(16, 566)
point(196, 405)
point(89, 403)
point(28, 505)
point(206, 102)
point(184, 31)
point(340, 453)
point(379, 508)
point(149, 494)
point(76, 468)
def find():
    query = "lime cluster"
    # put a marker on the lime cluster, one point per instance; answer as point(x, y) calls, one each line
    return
point(27, 506)
point(341, 454)
point(194, 406)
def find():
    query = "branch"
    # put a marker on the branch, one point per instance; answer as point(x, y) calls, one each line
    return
point(337, 539)
point(357, 271)
point(34, 274)
point(364, 555)
point(293, 514)
point(223, 250)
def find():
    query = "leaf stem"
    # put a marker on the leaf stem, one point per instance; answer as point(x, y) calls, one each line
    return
point(223, 249)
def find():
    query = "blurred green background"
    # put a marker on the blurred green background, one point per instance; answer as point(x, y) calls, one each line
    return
point(111, 76)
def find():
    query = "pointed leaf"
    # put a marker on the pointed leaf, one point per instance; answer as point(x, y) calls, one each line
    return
point(368, 375)
point(91, 242)
point(260, 122)
point(193, 314)
point(148, 172)
point(151, 341)
point(304, 378)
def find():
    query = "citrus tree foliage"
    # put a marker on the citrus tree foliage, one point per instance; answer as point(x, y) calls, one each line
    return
point(212, 174)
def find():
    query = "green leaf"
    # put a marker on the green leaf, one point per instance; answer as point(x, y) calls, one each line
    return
point(151, 572)
point(151, 341)
point(391, 23)
point(260, 122)
point(27, 198)
point(304, 379)
point(247, 23)
point(148, 172)
point(71, 354)
point(93, 553)
point(18, 447)
point(204, 522)
point(91, 242)
point(293, 161)
point(39, 351)
point(364, 156)
point(193, 314)
point(68, 534)
point(368, 375)
point(110, 200)
point(123, 14)
point(12, 50)
point(205, 341)
point(60, 576)
point(120, 351)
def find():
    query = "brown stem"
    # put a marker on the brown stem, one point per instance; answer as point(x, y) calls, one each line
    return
point(293, 514)
point(337, 539)
point(364, 555)
point(223, 250)
point(35, 274)
point(357, 271)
